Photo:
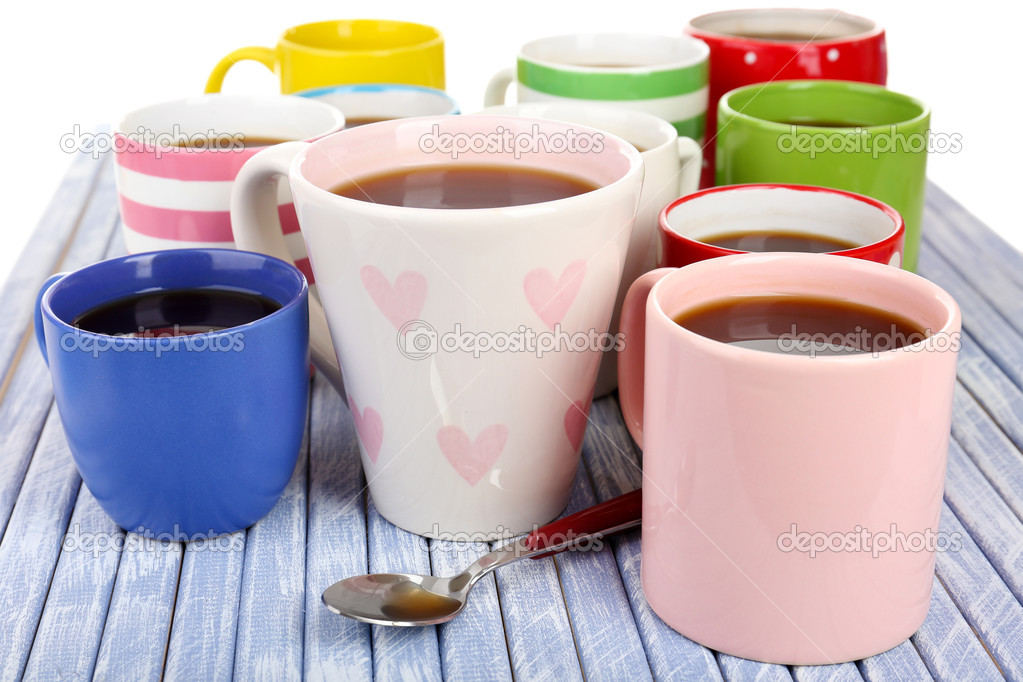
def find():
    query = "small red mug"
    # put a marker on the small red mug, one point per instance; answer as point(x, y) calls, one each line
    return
point(760, 45)
point(775, 217)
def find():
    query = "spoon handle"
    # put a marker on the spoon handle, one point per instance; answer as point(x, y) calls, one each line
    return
point(613, 516)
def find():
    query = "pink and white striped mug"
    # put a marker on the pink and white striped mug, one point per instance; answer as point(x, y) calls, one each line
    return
point(176, 163)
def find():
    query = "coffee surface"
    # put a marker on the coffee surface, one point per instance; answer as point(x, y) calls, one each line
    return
point(779, 240)
point(788, 323)
point(228, 142)
point(463, 187)
point(177, 313)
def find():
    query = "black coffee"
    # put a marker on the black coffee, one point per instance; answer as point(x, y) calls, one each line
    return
point(176, 313)
point(779, 240)
point(460, 187)
point(823, 324)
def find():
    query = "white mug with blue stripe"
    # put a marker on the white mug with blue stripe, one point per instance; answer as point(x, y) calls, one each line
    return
point(661, 75)
point(371, 102)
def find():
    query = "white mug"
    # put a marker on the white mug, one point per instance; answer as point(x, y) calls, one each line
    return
point(666, 76)
point(366, 102)
point(452, 443)
point(672, 166)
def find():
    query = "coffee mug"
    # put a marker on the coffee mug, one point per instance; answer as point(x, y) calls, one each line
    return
point(174, 197)
point(373, 102)
point(347, 51)
point(180, 437)
point(722, 221)
point(759, 45)
point(672, 166)
point(763, 470)
point(660, 75)
point(852, 136)
point(446, 321)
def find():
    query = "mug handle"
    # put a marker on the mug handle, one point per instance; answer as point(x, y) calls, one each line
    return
point(257, 227)
point(497, 88)
point(691, 155)
point(632, 357)
point(263, 55)
point(40, 332)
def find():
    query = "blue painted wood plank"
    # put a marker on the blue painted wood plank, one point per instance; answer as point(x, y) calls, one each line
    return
point(30, 548)
point(540, 641)
point(846, 672)
point(613, 465)
point(735, 668)
point(205, 623)
point(948, 645)
point(985, 325)
point(42, 254)
point(401, 653)
point(76, 606)
point(990, 449)
point(605, 631)
point(30, 390)
point(956, 232)
point(472, 646)
point(996, 286)
point(336, 648)
point(900, 663)
point(992, 525)
point(137, 628)
point(271, 617)
point(998, 396)
point(982, 597)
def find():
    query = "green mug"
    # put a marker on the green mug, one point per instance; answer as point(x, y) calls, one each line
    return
point(852, 136)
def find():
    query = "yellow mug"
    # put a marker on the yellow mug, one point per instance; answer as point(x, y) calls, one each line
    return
point(347, 51)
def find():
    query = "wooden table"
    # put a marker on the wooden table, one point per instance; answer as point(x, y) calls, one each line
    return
point(79, 598)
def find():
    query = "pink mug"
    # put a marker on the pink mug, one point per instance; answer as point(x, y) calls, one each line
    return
point(790, 502)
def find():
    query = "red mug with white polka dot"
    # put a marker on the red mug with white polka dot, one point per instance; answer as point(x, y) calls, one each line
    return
point(760, 45)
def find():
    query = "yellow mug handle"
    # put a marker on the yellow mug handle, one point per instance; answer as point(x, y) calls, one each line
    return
point(264, 55)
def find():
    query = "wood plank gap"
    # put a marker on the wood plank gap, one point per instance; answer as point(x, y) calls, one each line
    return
point(965, 619)
point(170, 620)
point(504, 624)
point(568, 615)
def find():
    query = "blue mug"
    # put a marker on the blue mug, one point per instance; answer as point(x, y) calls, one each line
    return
point(181, 437)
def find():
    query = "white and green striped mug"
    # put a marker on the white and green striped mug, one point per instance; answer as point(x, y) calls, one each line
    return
point(661, 75)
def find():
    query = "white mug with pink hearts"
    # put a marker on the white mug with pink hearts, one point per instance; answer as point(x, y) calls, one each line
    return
point(469, 338)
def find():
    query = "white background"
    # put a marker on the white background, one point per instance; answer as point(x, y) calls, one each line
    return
point(75, 63)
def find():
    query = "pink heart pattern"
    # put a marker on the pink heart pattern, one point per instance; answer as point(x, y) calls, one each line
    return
point(472, 460)
point(576, 418)
point(370, 428)
point(551, 299)
point(400, 303)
